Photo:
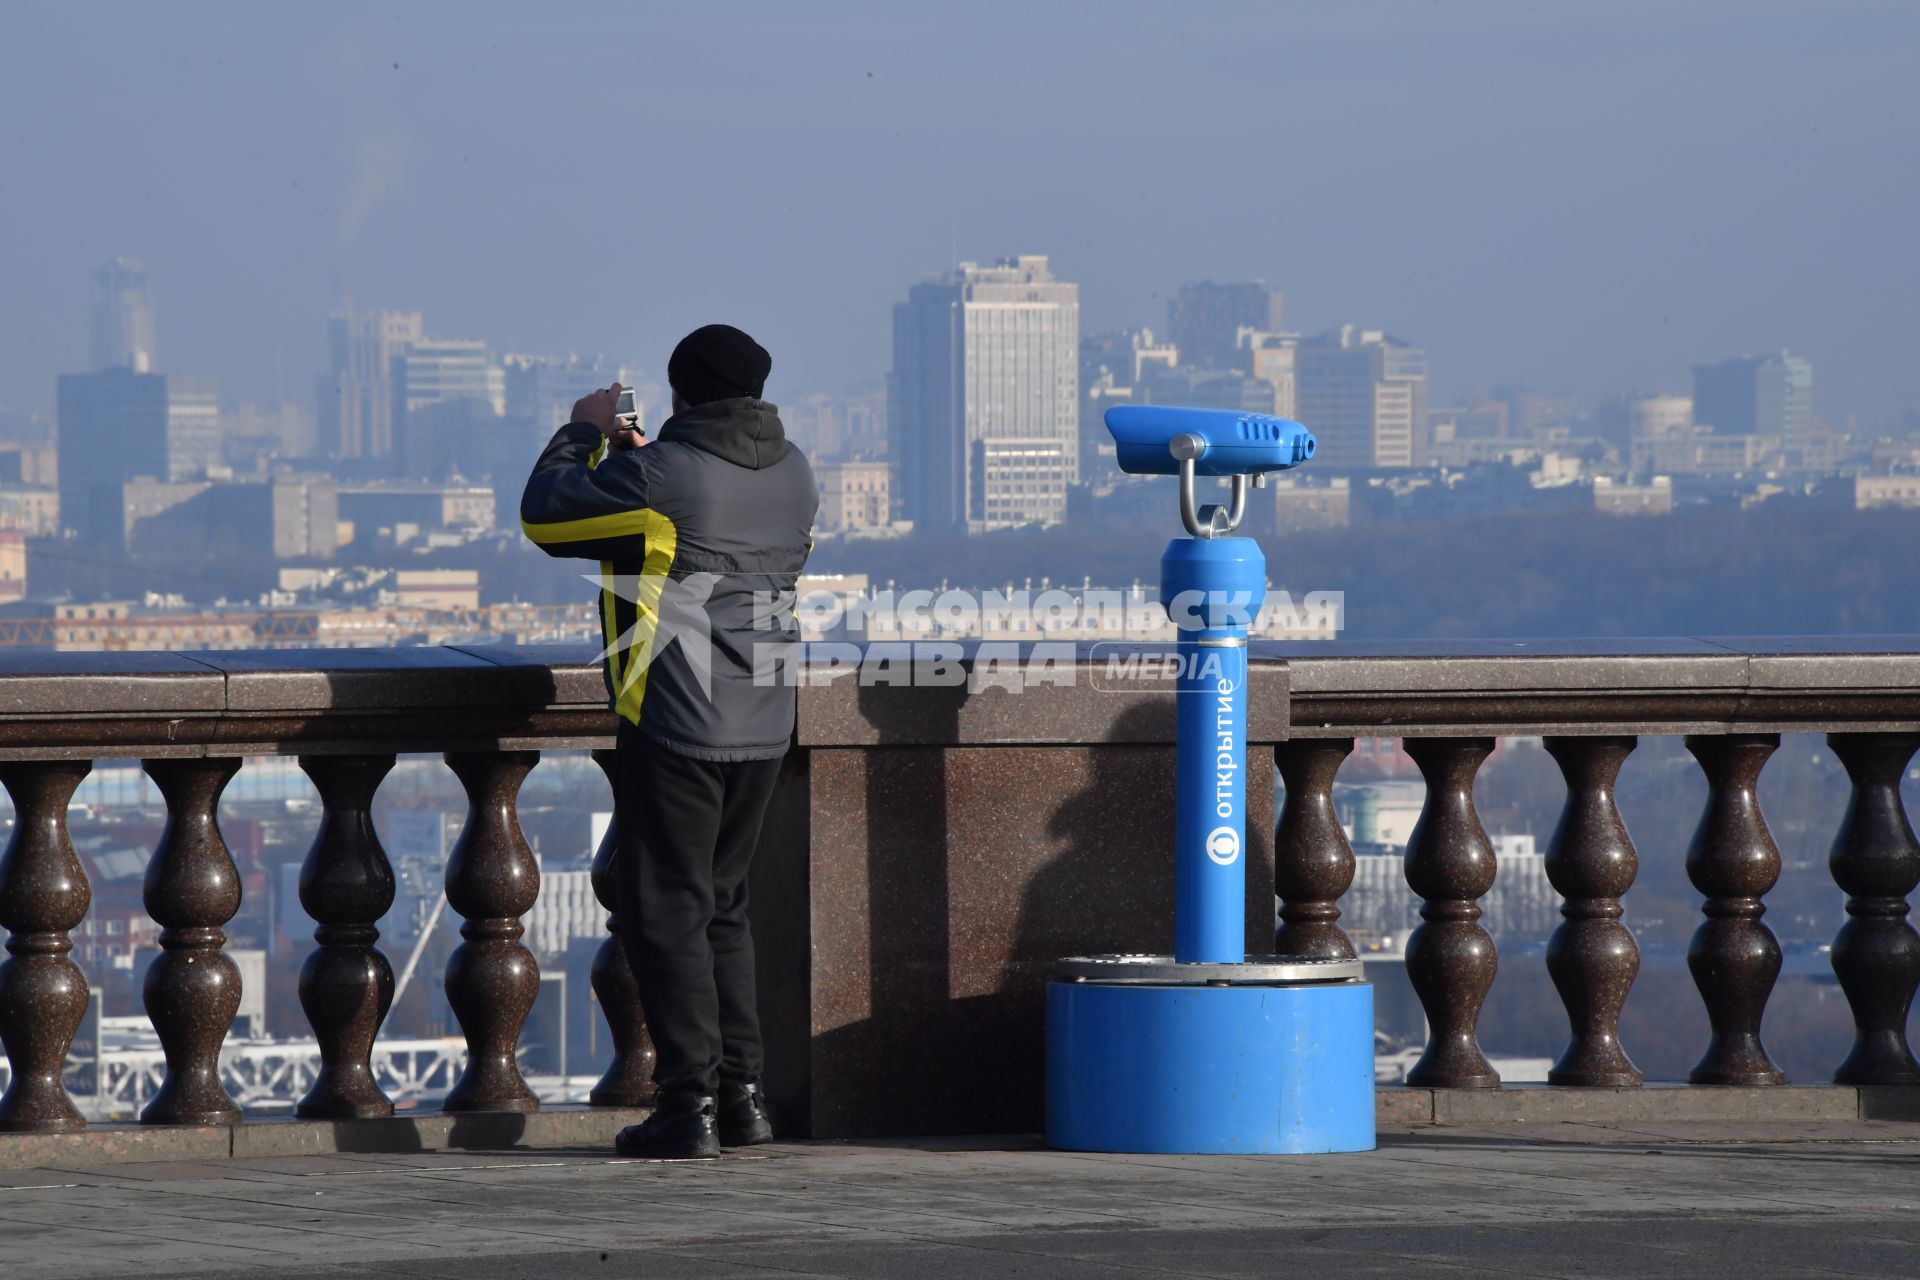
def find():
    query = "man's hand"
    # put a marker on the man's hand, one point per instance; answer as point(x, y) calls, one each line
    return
point(597, 408)
point(626, 438)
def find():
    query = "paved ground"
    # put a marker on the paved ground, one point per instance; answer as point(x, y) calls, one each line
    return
point(1697, 1200)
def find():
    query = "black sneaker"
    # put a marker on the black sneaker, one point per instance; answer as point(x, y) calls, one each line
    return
point(743, 1115)
point(680, 1128)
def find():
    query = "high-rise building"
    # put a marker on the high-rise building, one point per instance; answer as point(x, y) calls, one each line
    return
point(813, 426)
point(540, 390)
point(865, 423)
point(1205, 320)
point(117, 425)
point(854, 496)
point(1363, 394)
point(193, 428)
point(848, 428)
point(1105, 380)
point(1659, 417)
point(449, 399)
point(356, 393)
point(291, 517)
point(122, 317)
point(1022, 480)
point(436, 371)
point(1273, 358)
point(984, 406)
point(1527, 410)
point(1124, 359)
point(1151, 356)
point(1208, 389)
point(1755, 396)
point(1114, 368)
point(263, 433)
point(113, 426)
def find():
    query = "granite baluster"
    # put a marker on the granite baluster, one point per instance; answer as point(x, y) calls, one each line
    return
point(1592, 957)
point(346, 985)
point(1733, 861)
point(492, 979)
point(43, 994)
point(1312, 861)
point(192, 990)
point(1451, 959)
point(1876, 862)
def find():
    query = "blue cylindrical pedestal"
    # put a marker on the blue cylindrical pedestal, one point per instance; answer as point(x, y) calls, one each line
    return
point(1225, 1070)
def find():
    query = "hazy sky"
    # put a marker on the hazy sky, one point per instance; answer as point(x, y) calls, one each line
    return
point(1579, 196)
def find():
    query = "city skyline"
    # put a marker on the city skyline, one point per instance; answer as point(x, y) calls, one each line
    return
point(398, 397)
point(988, 420)
point(363, 343)
point(1596, 199)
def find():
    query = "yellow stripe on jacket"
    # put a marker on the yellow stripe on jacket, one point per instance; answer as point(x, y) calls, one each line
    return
point(627, 655)
point(630, 679)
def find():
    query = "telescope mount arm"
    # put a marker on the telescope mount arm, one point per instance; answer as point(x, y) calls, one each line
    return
point(1212, 520)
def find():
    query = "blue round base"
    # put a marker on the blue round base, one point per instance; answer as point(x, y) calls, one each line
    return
point(1225, 1070)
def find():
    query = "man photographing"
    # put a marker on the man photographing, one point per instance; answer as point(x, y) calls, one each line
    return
point(695, 533)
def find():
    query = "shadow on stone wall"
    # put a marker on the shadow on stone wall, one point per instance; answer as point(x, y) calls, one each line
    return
point(983, 865)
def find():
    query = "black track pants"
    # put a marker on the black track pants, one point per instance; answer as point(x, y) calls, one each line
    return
point(687, 830)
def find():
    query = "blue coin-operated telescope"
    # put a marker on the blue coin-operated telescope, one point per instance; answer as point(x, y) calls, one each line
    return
point(1210, 1049)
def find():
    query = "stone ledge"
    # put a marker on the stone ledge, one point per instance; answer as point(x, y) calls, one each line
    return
point(113, 1144)
point(1523, 1104)
point(1890, 1102)
point(554, 1128)
point(565, 1128)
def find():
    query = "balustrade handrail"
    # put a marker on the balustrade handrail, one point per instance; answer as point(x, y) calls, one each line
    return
point(307, 702)
point(432, 698)
point(1671, 685)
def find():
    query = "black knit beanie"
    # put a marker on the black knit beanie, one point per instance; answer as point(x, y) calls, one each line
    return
point(718, 362)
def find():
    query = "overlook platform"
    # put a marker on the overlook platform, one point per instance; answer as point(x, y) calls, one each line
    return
point(1558, 1199)
point(936, 843)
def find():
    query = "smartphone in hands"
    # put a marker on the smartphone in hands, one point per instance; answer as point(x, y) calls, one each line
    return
point(626, 416)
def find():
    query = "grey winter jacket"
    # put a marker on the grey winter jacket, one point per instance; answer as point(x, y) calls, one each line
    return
point(700, 536)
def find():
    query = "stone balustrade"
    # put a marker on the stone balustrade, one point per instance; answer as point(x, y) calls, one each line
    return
point(933, 846)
